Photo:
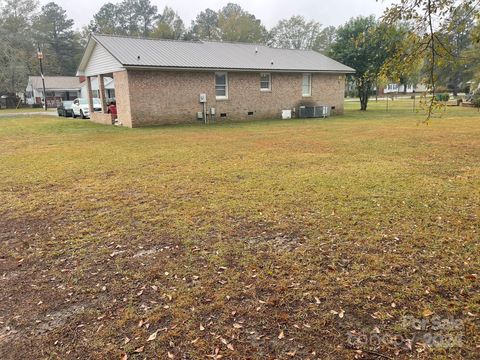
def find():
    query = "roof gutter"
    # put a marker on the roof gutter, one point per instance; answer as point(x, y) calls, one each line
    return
point(174, 68)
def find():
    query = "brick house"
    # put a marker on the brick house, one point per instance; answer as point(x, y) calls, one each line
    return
point(161, 81)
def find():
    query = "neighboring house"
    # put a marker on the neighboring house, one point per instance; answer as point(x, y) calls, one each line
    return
point(57, 88)
point(109, 85)
point(166, 81)
point(400, 89)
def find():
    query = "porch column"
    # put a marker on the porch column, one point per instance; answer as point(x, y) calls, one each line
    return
point(101, 92)
point(89, 95)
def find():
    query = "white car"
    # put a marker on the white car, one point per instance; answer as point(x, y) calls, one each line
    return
point(80, 107)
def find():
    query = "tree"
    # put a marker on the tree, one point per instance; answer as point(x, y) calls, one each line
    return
point(472, 54)
point(325, 39)
point(205, 26)
point(128, 17)
point(295, 33)
point(455, 38)
point(236, 24)
point(365, 45)
point(147, 14)
point(403, 40)
point(106, 20)
point(430, 18)
point(169, 25)
point(54, 31)
point(17, 50)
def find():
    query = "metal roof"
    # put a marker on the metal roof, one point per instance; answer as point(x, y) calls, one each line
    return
point(159, 53)
point(55, 82)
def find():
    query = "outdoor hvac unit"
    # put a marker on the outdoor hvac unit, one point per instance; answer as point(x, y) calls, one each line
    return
point(321, 111)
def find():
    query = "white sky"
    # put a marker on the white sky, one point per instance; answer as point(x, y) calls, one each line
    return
point(327, 12)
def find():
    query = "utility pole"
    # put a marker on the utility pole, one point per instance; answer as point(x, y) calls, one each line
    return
point(40, 58)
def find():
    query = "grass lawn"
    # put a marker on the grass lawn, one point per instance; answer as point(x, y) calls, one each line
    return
point(301, 239)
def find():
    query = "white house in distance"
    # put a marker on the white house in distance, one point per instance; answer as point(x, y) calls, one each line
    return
point(57, 88)
point(400, 89)
point(109, 84)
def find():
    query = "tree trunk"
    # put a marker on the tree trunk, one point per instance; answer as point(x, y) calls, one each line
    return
point(363, 93)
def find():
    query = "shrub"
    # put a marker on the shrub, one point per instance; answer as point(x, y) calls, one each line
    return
point(476, 99)
point(442, 97)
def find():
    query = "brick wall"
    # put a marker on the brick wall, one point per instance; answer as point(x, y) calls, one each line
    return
point(122, 98)
point(168, 97)
point(101, 118)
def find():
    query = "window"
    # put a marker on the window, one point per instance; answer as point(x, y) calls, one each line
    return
point(307, 85)
point(265, 82)
point(221, 85)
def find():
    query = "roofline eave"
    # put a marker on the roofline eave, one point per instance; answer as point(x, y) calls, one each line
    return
point(173, 68)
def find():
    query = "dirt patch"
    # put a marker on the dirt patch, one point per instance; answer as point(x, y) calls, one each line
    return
point(144, 253)
point(57, 319)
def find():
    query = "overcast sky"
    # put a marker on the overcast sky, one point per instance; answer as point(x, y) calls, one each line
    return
point(327, 12)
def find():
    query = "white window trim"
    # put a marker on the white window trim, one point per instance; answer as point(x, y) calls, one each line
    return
point(310, 85)
point(226, 86)
point(269, 82)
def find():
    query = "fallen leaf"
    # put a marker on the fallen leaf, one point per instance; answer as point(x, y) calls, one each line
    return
point(427, 312)
point(201, 327)
point(140, 349)
point(341, 314)
point(472, 277)
point(230, 347)
point(170, 355)
point(281, 335)
point(153, 336)
point(237, 326)
point(124, 356)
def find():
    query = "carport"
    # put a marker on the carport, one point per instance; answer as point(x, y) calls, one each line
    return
point(102, 117)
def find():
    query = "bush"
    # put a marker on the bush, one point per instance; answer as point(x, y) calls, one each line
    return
point(36, 106)
point(476, 99)
point(442, 97)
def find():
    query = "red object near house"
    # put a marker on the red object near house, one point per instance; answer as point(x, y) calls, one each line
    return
point(112, 109)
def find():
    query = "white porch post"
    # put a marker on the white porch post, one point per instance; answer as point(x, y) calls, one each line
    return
point(101, 92)
point(90, 95)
